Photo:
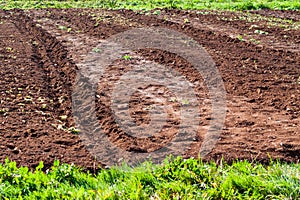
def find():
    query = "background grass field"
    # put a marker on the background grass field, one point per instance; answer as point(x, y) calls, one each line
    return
point(151, 4)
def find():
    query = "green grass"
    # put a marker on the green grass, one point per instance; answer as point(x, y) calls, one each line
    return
point(151, 4)
point(177, 179)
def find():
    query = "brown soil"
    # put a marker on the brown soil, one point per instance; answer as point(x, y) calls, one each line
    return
point(257, 54)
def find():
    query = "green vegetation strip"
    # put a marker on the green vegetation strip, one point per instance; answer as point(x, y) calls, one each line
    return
point(177, 179)
point(151, 4)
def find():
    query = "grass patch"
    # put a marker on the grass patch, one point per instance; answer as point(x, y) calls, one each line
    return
point(152, 4)
point(176, 179)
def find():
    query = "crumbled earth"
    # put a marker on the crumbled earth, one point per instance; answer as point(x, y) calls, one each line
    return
point(257, 54)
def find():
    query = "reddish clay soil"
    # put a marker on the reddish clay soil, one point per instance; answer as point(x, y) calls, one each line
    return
point(257, 54)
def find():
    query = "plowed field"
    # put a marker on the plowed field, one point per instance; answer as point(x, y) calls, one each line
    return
point(257, 54)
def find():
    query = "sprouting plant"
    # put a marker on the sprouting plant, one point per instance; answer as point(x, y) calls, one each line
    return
point(3, 111)
point(35, 43)
point(150, 107)
point(173, 99)
point(62, 27)
point(156, 12)
point(28, 99)
point(240, 37)
point(186, 20)
point(254, 41)
point(63, 117)
point(73, 130)
point(9, 49)
point(261, 32)
point(96, 50)
point(127, 57)
point(185, 102)
point(44, 106)
point(41, 99)
point(64, 128)
point(69, 30)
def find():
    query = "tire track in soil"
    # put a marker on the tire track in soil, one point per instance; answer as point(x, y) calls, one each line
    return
point(35, 76)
